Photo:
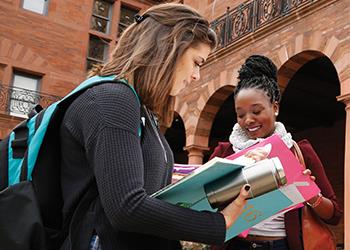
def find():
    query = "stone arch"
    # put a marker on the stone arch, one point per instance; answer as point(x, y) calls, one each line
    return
point(311, 93)
point(207, 115)
point(342, 65)
point(306, 47)
point(198, 122)
point(293, 64)
point(192, 113)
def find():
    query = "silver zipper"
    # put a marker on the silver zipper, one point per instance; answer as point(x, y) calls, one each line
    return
point(155, 130)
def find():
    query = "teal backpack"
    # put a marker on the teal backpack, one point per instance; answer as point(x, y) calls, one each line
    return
point(30, 192)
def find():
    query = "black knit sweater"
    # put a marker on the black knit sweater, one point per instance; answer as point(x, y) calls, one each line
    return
point(100, 142)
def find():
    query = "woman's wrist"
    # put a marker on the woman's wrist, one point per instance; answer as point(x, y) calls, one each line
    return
point(317, 202)
point(227, 219)
point(228, 212)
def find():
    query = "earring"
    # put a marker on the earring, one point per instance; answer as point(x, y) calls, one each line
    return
point(276, 113)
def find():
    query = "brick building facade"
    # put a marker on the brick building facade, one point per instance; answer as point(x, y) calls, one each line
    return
point(53, 45)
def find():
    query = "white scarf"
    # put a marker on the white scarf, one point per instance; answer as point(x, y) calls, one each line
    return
point(240, 140)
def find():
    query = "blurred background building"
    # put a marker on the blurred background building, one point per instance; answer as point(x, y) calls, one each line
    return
point(47, 46)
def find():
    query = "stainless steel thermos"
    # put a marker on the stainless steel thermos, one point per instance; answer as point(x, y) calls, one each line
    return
point(263, 176)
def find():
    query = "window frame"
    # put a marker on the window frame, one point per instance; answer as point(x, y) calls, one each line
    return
point(45, 10)
point(35, 91)
point(106, 50)
point(112, 36)
point(108, 19)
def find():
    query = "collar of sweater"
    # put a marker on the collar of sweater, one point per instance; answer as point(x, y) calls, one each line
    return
point(240, 140)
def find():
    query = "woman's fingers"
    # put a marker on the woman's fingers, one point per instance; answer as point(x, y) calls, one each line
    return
point(241, 200)
point(308, 172)
point(258, 154)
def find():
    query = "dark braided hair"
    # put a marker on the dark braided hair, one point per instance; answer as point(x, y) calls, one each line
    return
point(259, 72)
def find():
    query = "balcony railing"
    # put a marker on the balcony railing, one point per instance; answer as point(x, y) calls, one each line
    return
point(19, 102)
point(251, 16)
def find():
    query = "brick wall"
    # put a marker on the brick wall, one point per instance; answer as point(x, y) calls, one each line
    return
point(53, 46)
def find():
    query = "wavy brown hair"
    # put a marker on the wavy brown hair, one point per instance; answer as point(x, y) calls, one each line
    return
point(147, 53)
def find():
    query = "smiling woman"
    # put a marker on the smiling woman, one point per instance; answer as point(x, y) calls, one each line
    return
point(257, 118)
point(257, 97)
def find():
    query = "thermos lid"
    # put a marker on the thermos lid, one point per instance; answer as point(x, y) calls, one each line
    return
point(279, 174)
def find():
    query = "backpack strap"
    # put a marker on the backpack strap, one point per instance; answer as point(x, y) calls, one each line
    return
point(17, 149)
point(4, 174)
point(44, 119)
point(96, 80)
point(21, 135)
point(39, 118)
point(20, 143)
point(33, 130)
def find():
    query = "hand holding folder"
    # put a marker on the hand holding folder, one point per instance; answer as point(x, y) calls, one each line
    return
point(190, 191)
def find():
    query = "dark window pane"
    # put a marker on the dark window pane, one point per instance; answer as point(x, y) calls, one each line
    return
point(101, 8)
point(122, 27)
point(99, 24)
point(126, 17)
point(97, 48)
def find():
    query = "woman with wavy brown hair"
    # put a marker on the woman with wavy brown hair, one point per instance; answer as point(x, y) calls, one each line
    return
point(110, 140)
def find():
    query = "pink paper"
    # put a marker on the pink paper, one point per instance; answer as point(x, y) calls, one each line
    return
point(292, 168)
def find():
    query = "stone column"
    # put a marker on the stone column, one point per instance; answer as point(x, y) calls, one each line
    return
point(195, 153)
point(346, 100)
